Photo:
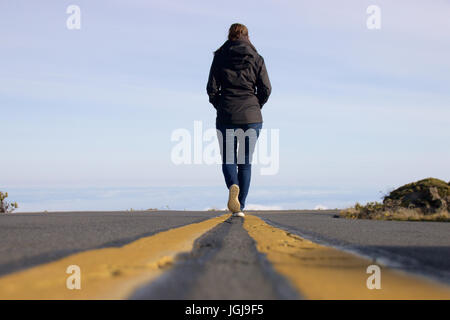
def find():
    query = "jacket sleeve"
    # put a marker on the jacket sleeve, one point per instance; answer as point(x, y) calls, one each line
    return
point(263, 86)
point(213, 86)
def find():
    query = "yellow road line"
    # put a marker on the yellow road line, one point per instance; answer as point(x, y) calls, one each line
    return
point(321, 272)
point(108, 273)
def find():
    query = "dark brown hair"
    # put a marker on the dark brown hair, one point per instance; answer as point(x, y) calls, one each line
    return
point(238, 31)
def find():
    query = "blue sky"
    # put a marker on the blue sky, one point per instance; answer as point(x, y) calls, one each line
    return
point(357, 109)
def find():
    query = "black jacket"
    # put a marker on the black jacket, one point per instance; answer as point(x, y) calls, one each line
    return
point(238, 84)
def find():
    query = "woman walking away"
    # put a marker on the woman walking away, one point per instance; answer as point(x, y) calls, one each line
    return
point(238, 87)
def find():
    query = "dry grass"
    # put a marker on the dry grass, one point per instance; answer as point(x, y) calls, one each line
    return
point(401, 214)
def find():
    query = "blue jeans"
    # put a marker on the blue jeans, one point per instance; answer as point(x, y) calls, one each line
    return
point(237, 157)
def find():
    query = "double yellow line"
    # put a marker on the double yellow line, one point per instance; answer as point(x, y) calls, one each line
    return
point(316, 271)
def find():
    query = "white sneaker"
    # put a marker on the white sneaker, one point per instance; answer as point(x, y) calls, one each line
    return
point(233, 201)
point(239, 214)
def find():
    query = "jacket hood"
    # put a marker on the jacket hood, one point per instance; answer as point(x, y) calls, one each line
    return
point(237, 54)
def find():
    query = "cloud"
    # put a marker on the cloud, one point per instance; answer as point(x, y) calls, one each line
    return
point(262, 207)
point(259, 207)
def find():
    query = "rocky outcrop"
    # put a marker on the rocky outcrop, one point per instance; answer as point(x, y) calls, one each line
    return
point(429, 195)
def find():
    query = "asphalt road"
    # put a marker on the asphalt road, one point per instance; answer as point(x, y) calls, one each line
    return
point(224, 263)
point(419, 247)
point(29, 239)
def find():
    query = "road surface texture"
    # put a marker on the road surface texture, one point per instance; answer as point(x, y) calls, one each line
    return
point(211, 255)
point(422, 247)
point(28, 239)
point(226, 257)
